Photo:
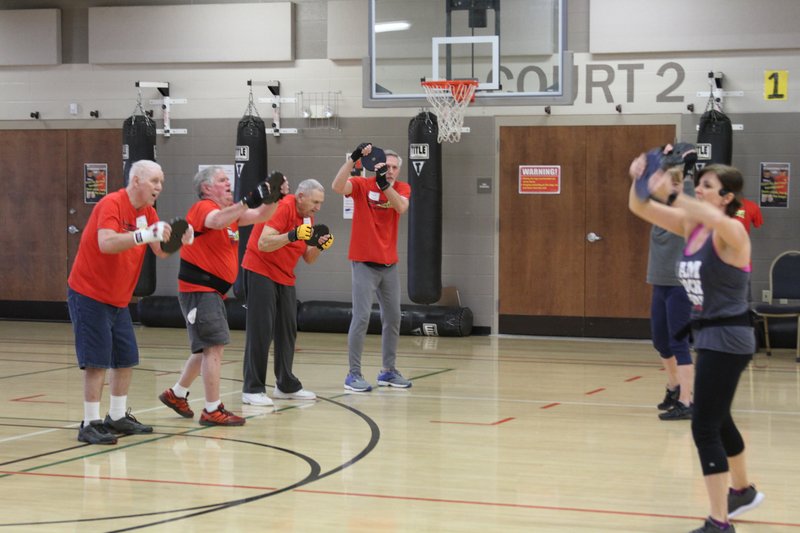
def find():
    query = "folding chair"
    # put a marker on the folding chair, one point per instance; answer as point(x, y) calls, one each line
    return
point(784, 284)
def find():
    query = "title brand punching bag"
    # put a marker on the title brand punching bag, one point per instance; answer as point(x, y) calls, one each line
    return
point(139, 142)
point(251, 169)
point(425, 210)
point(715, 138)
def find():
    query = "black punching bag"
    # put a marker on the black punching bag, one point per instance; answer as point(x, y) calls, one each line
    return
point(425, 210)
point(715, 138)
point(139, 142)
point(251, 169)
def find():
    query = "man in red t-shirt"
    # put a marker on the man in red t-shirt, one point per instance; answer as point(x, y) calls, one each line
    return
point(749, 213)
point(101, 284)
point(273, 250)
point(378, 203)
point(208, 269)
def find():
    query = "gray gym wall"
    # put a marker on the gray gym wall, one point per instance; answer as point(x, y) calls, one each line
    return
point(469, 218)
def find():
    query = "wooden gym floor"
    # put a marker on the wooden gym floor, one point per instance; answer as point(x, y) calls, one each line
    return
point(497, 434)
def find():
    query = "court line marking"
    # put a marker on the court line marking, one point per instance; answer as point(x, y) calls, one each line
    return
point(396, 497)
point(32, 400)
point(496, 423)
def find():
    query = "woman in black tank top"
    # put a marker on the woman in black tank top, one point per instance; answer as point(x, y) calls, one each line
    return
point(714, 270)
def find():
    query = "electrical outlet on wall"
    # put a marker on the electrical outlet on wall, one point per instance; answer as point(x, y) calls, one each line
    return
point(765, 296)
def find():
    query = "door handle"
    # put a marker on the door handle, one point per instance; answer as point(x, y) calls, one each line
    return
point(593, 237)
point(72, 229)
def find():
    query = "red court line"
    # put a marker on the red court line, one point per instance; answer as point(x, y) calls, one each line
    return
point(549, 405)
point(497, 423)
point(404, 498)
point(634, 378)
point(601, 389)
point(31, 400)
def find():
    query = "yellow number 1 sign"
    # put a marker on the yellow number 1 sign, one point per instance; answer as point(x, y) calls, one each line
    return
point(776, 84)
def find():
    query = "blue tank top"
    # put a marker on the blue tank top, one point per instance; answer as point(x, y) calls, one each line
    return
point(716, 290)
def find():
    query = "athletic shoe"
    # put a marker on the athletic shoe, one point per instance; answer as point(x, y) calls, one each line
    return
point(220, 417)
point(301, 394)
point(257, 398)
point(356, 383)
point(96, 433)
point(177, 404)
point(670, 399)
point(393, 378)
point(678, 412)
point(711, 527)
point(127, 425)
point(741, 503)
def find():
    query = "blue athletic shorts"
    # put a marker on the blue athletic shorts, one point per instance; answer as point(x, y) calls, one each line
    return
point(103, 333)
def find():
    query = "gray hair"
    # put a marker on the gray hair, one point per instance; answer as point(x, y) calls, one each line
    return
point(306, 186)
point(205, 176)
point(392, 152)
point(144, 168)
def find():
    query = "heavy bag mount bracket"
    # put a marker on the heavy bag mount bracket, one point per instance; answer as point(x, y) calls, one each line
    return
point(715, 96)
point(275, 99)
point(166, 105)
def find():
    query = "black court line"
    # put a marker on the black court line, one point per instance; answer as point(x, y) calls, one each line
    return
point(314, 475)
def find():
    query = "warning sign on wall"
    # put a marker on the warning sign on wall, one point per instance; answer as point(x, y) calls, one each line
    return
point(540, 179)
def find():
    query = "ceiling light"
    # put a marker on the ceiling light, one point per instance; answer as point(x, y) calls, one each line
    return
point(397, 25)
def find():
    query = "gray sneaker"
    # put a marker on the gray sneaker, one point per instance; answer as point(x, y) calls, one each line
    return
point(356, 383)
point(393, 378)
point(739, 503)
point(96, 433)
point(127, 425)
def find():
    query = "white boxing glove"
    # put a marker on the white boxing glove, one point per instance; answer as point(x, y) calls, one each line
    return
point(152, 233)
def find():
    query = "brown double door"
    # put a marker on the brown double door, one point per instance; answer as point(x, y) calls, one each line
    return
point(43, 196)
point(574, 263)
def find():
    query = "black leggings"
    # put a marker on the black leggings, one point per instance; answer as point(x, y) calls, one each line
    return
point(715, 434)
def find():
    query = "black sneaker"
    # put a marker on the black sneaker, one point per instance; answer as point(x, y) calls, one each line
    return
point(741, 503)
point(96, 433)
point(711, 527)
point(678, 412)
point(670, 399)
point(127, 425)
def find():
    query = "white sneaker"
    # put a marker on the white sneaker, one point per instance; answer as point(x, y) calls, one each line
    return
point(302, 394)
point(257, 398)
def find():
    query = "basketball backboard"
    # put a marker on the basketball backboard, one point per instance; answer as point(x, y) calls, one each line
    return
point(513, 48)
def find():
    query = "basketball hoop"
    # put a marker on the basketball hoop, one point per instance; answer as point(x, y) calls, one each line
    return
point(449, 99)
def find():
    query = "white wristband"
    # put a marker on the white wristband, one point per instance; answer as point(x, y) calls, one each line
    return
point(153, 233)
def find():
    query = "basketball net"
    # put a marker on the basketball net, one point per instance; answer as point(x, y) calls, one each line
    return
point(449, 99)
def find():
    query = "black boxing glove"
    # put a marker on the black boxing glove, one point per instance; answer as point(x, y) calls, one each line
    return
point(380, 178)
point(356, 155)
point(257, 196)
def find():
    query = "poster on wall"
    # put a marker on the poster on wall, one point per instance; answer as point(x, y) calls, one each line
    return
point(774, 186)
point(95, 182)
point(540, 179)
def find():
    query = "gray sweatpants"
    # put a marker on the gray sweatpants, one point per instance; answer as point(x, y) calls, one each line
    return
point(385, 284)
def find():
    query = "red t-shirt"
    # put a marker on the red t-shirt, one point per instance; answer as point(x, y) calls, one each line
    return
point(279, 264)
point(375, 222)
point(110, 278)
point(749, 213)
point(214, 250)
